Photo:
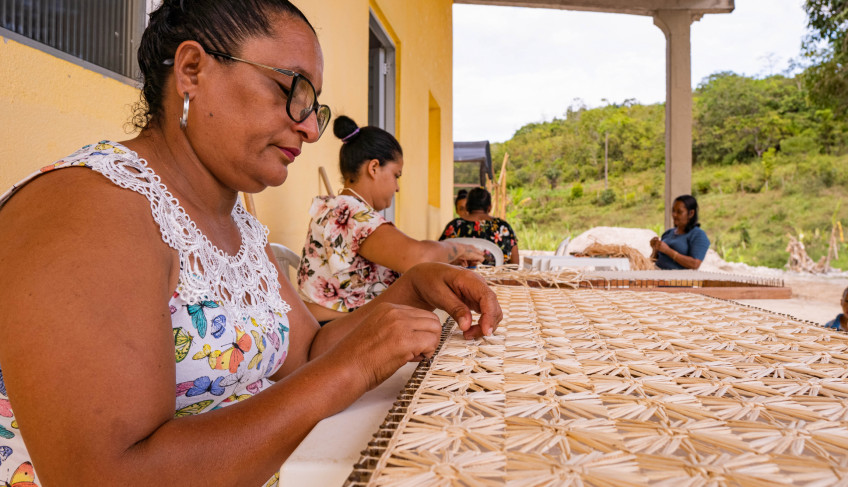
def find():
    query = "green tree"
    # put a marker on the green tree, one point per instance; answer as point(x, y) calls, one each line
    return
point(738, 118)
point(826, 47)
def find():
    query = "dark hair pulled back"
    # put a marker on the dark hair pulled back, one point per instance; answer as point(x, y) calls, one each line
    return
point(478, 199)
point(362, 146)
point(691, 204)
point(221, 25)
point(460, 195)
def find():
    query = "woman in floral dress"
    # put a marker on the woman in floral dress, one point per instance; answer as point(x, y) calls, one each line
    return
point(352, 253)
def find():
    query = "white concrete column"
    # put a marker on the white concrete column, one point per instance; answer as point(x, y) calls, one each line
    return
point(678, 104)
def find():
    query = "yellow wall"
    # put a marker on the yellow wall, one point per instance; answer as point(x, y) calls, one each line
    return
point(434, 170)
point(49, 108)
point(424, 43)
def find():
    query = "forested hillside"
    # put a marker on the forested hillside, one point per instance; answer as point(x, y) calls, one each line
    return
point(768, 162)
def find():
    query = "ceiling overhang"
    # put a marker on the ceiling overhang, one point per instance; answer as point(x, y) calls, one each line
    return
point(634, 7)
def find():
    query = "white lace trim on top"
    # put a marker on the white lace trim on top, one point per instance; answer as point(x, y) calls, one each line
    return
point(246, 283)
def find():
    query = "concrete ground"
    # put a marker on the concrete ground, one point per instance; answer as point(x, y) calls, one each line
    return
point(814, 298)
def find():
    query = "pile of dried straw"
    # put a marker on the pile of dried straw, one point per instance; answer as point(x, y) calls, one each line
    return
point(638, 262)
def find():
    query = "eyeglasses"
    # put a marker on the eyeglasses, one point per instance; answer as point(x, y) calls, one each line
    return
point(302, 100)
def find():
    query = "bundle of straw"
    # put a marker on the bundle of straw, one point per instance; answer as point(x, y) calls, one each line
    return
point(638, 262)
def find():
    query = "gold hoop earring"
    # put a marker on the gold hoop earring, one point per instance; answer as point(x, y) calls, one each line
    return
point(184, 118)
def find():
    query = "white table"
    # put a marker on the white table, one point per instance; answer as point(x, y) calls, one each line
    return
point(326, 456)
point(551, 262)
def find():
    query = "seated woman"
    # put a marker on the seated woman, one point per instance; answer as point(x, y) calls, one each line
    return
point(147, 337)
point(459, 202)
point(478, 223)
point(685, 245)
point(352, 254)
point(840, 323)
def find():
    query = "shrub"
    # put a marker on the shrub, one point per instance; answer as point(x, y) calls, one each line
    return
point(804, 143)
point(607, 197)
point(702, 186)
point(768, 163)
point(778, 216)
point(576, 191)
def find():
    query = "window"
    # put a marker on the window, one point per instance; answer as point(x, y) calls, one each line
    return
point(381, 86)
point(105, 33)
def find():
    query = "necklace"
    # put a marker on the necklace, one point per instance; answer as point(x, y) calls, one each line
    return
point(357, 195)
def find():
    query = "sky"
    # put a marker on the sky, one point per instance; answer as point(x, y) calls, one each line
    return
point(514, 66)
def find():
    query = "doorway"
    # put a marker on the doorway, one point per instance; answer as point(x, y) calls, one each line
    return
point(381, 85)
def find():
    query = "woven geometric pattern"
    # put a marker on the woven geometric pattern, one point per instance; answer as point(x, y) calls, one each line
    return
point(685, 277)
point(581, 387)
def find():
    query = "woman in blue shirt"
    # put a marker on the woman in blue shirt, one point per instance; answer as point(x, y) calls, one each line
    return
point(685, 245)
point(840, 323)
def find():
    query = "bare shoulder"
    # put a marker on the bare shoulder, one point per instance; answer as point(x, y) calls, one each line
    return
point(74, 224)
point(68, 206)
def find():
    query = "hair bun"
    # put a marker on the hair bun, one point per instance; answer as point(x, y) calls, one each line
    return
point(344, 127)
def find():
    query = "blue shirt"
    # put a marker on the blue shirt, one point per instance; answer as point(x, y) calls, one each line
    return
point(693, 243)
point(835, 324)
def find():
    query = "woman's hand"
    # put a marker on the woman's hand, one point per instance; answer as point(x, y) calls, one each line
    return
point(389, 336)
point(660, 246)
point(458, 292)
point(399, 326)
point(467, 255)
point(655, 243)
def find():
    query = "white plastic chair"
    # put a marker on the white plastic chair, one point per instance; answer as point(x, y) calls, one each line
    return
point(286, 258)
point(560, 250)
point(483, 244)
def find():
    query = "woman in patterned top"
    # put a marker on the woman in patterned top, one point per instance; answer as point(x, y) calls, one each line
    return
point(352, 254)
point(478, 223)
point(147, 337)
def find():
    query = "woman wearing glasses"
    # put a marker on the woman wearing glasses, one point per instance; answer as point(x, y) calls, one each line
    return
point(146, 336)
point(352, 254)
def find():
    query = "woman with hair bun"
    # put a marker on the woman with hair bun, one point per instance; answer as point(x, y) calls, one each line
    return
point(478, 223)
point(352, 254)
point(147, 336)
point(685, 245)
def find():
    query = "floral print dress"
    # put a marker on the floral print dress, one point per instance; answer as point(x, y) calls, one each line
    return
point(495, 230)
point(228, 318)
point(331, 272)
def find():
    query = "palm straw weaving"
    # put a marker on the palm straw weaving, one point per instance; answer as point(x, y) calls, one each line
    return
point(716, 284)
point(685, 277)
point(585, 387)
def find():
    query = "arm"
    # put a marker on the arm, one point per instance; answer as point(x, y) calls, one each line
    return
point(392, 248)
point(682, 259)
point(426, 287)
point(513, 258)
point(87, 287)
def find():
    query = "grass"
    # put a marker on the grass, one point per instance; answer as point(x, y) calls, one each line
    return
point(747, 215)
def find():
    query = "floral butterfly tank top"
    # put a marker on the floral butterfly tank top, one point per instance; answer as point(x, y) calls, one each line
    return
point(229, 321)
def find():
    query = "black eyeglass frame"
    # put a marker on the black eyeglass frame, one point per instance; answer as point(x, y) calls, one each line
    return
point(296, 77)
